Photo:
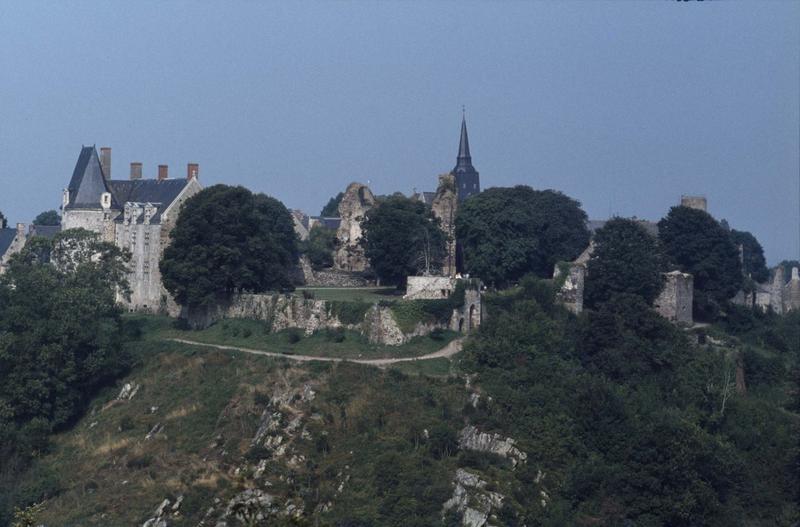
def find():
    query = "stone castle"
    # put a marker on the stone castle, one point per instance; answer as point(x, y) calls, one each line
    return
point(138, 214)
point(135, 214)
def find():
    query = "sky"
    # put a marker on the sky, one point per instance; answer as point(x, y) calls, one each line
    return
point(624, 106)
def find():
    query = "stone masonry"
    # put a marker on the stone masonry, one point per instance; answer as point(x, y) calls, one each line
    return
point(349, 255)
point(444, 207)
point(675, 301)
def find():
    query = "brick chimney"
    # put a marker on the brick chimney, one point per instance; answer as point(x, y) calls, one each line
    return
point(136, 170)
point(105, 161)
point(192, 171)
point(162, 172)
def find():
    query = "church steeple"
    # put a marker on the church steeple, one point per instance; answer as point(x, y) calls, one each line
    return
point(463, 158)
point(467, 179)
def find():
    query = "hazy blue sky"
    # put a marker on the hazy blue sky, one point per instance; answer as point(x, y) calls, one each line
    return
point(623, 105)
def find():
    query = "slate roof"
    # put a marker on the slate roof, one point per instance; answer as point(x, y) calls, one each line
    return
point(159, 192)
point(650, 226)
point(6, 239)
point(87, 183)
point(45, 231)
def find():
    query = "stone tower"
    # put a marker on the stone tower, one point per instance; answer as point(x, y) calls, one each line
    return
point(444, 207)
point(467, 180)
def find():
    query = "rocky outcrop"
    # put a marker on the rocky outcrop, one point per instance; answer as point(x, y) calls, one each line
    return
point(471, 500)
point(349, 255)
point(471, 438)
point(444, 207)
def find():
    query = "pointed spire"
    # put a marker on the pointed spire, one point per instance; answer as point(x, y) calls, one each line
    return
point(463, 158)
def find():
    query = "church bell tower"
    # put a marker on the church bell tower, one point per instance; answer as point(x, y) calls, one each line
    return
point(466, 177)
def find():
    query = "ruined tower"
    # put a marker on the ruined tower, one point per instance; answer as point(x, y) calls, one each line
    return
point(467, 180)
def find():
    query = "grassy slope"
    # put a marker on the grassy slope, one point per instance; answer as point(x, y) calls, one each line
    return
point(209, 403)
point(253, 334)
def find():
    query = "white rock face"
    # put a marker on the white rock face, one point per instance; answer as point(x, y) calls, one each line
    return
point(349, 255)
point(472, 500)
point(473, 439)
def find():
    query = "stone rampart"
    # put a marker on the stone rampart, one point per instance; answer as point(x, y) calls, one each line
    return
point(675, 301)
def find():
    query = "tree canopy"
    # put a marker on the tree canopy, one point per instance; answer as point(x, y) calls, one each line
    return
point(3, 221)
point(401, 237)
point(753, 263)
point(331, 209)
point(319, 246)
point(506, 233)
point(60, 336)
point(698, 244)
point(226, 240)
point(48, 217)
point(626, 259)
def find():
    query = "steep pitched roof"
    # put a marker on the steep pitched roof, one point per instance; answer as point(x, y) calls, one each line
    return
point(6, 239)
point(159, 192)
point(88, 182)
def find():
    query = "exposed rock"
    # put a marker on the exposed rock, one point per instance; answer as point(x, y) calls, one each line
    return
point(471, 499)
point(155, 430)
point(382, 327)
point(444, 207)
point(349, 255)
point(250, 506)
point(472, 439)
point(128, 391)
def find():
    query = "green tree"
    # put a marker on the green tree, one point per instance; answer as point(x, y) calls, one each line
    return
point(3, 221)
point(331, 209)
point(226, 240)
point(753, 263)
point(48, 217)
point(401, 237)
point(319, 246)
point(506, 233)
point(698, 244)
point(626, 259)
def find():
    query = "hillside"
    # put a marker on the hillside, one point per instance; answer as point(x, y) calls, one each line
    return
point(545, 419)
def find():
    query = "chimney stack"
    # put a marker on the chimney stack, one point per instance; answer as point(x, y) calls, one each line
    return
point(105, 161)
point(136, 170)
point(162, 172)
point(192, 171)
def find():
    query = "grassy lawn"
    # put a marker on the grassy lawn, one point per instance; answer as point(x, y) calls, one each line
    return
point(352, 294)
point(254, 334)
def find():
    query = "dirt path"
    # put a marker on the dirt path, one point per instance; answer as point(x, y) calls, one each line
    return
point(449, 350)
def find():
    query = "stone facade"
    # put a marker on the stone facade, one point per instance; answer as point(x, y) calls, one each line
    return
point(136, 215)
point(11, 242)
point(444, 207)
point(675, 301)
point(349, 255)
point(571, 291)
point(429, 287)
point(695, 202)
point(776, 295)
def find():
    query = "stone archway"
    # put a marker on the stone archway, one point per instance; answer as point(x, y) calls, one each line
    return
point(474, 317)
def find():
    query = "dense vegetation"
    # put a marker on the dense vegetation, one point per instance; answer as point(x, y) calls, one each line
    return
point(507, 233)
point(319, 246)
point(696, 243)
point(401, 237)
point(626, 259)
point(48, 217)
point(331, 209)
point(60, 339)
point(228, 239)
point(754, 265)
point(629, 421)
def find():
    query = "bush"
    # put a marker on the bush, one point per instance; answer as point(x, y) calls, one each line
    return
point(351, 313)
point(335, 335)
point(293, 335)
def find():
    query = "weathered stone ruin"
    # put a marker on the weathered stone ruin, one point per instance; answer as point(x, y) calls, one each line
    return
point(429, 287)
point(444, 207)
point(349, 256)
point(571, 291)
point(777, 294)
point(675, 300)
point(695, 202)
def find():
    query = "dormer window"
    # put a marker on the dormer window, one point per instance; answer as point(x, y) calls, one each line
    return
point(105, 200)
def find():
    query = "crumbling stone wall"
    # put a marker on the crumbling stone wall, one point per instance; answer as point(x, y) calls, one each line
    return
point(16, 246)
point(444, 207)
point(429, 287)
point(349, 255)
point(791, 292)
point(573, 275)
point(675, 301)
point(695, 202)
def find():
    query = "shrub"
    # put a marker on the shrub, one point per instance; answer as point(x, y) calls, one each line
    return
point(349, 312)
point(294, 335)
